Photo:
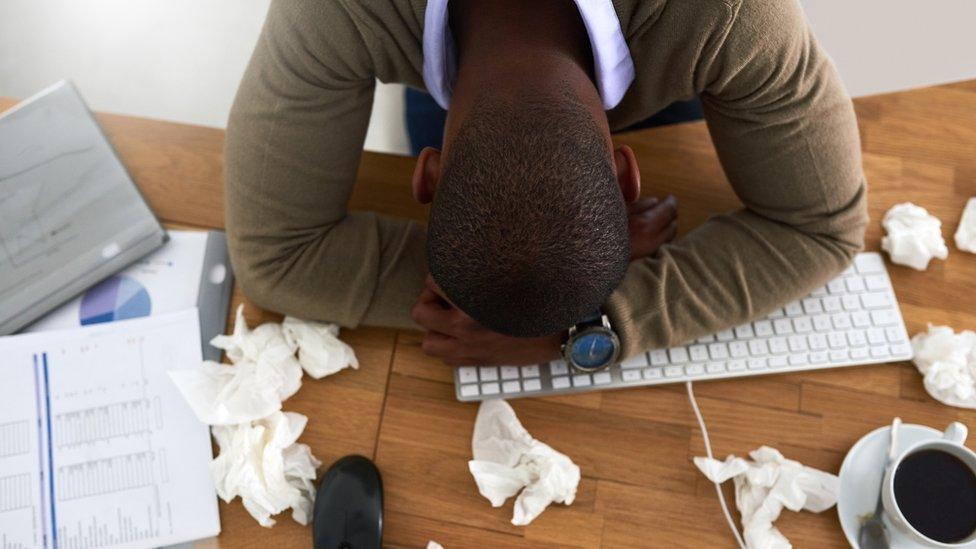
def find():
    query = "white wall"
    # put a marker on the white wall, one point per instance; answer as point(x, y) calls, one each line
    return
point(182, 59)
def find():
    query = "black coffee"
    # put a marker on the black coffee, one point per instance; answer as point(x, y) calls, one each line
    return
point(936, 492)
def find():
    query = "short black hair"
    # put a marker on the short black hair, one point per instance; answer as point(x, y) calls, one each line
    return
point(528, 228)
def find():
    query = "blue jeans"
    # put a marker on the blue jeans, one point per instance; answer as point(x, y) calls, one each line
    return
point(425, 119)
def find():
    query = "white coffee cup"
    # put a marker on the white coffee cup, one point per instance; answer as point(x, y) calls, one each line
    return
point(952, 443)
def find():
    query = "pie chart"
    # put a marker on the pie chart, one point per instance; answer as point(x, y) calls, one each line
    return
point(115, 298)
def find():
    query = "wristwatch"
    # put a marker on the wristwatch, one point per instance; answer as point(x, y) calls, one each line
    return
point(591, 345)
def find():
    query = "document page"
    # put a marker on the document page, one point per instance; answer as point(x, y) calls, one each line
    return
point(97, 447)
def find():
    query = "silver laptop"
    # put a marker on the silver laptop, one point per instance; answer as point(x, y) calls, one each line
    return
point(70, 215)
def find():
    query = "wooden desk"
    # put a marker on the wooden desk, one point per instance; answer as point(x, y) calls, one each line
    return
point(639, 488)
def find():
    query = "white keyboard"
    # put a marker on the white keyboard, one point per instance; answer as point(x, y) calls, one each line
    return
point(850, 321)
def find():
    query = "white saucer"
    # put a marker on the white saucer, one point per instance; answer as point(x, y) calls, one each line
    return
point(860, 480)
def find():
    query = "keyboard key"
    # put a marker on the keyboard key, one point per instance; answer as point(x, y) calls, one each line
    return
point(798, 343)
point(798, 359)
point(875, 282)
point(818, 342)
point(812, 305)
point(837, 340)
point(469, 390)
point(836, 286)
point(793, 308)
point(581, 380)
point(674, 371)
point(776, 362)
point(901, 349)
point(510, 372)
point(706, 339)
point(725, 335)
point(831, 304)
point(856, 338)
point(699, 353)
point(778, 313)
point(490, 388)
point(876, 336)
point(757, 347)
point(879, 351)
point(558, 368)
point(530, 371)
point(854, 284)
point(819, 292)
point(715, 367)
point(468, 374)
point(778, 346)
point(848, 271)
point(561, 382)
point(764, 328)
point(884, 317)
point(532, 385)
point(744, 331)
point(718, 351)
point(876, 300)
point(653, 373)
point(736, 365)
point(678, 355)
point(859, 353)
point(850, 302)
point(802, 325)
point(511, 387)
point(838, 355)
point(636, 361)
point(659, 357)
point(488, 373)
point(631, 376)
point(822, 323)
point(695, 369)
point(895, 334)
point(601, 378)
point(819, 357)
point(783, 326)
point(738, 349)
point(868, 263)
point(842, 321)
point(756, 363)
point(860, 319)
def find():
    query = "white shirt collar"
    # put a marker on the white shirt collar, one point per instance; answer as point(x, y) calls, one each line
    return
point(611, 57)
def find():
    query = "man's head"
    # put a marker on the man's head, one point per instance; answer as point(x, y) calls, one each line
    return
point(528, 227)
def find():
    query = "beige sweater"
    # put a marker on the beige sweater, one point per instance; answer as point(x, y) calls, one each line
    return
point(782, 124)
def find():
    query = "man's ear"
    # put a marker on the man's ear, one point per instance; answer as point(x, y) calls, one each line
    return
point(628, 174)
point(426, 175)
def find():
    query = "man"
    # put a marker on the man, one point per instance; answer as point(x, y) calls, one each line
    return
point(536, 223)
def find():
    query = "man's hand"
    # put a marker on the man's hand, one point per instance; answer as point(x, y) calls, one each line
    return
point(460, 340)
point(651, 224)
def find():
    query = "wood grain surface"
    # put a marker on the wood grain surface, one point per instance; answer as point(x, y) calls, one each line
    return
point(639, 487)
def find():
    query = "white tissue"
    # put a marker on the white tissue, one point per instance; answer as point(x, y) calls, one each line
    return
point(947, 361)
point(434, 545)
point(259, 459)
point(262, 463)
point(966, 233)
point(767, 484)
point(320, 351)
point(914, 237)
point(507, 459)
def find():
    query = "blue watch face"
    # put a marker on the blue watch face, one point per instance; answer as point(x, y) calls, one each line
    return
point(592, 350)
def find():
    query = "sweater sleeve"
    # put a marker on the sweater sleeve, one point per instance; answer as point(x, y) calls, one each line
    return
point(294, 141)
point(786, 135)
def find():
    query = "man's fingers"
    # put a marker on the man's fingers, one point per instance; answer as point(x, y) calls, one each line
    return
point(642, 205)
point(657, 218)
point(448, 349)
point(431, 316)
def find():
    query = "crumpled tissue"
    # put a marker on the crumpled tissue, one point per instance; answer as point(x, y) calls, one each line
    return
point(966, 233)
point(508, 460)
point(767, 484)
point(263, 463)
point(913, 236)
point(259, 459)
point(434, 545)
point(947, 361)
point(265, 370)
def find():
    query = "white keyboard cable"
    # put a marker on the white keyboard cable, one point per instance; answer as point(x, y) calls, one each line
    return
point(708, 451)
